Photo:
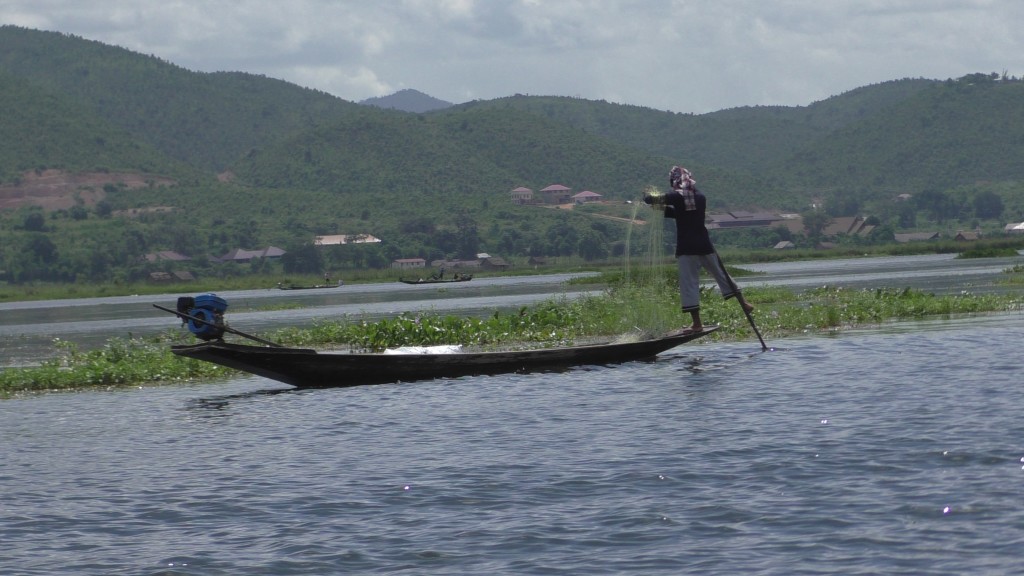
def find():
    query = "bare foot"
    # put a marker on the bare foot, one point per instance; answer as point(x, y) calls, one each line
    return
point(748, 307)
point(695, 328)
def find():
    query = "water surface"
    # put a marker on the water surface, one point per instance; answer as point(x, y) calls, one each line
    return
point(887, 451)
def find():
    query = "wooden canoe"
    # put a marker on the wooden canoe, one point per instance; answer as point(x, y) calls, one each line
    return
point(435, 280)
point(307, 368)
point(315, 287)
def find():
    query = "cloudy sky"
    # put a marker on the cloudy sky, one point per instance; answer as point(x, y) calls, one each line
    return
point(681, 55)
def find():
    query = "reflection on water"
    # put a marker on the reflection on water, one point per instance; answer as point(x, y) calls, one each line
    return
point(698, 364)
point(217, 406)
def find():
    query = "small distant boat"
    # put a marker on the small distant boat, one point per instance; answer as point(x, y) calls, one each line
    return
point(435, 280)
point(313, 287)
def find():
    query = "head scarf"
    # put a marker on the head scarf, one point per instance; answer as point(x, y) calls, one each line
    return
point(682, 181)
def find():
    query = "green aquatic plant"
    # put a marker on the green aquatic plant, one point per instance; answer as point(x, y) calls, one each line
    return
point(634, 308)
point(1013, 275)
point(119, 362)
point(555, 321)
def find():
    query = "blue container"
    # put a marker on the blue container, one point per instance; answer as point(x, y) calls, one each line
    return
point(211, 302)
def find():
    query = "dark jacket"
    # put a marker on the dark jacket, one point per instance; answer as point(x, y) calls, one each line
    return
point(692, 237)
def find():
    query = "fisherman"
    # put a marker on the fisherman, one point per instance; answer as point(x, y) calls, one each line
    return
point(687, 205)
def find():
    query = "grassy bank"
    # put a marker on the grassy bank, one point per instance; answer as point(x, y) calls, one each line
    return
point(648, 307)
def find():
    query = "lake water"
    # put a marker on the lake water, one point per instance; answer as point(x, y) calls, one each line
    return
point(892, 450)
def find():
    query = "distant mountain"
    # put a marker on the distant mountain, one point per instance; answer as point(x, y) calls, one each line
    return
point(408, 101)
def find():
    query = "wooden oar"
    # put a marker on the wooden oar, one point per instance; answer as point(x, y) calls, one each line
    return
point(742, 301)
point(222, 327)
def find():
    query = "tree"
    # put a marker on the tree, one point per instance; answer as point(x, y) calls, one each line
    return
point(103, 209)
point(844, 204)
point(815, 222)
point(34, 221)
point(988, 205)
point(592, 246)
point(302, 259)
point(907, 216)
point(469, 238)
point(42, 248)
point(939, 205)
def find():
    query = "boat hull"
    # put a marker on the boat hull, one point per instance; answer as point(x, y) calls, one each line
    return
point(317, 287)
point(434, 281)
point(307, 368)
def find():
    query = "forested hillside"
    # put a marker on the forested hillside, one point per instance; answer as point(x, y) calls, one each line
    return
point(749, 139)
point(42, 128)
point(206, 120)
point(460, 160)
point(232, 160)
point(953, 133)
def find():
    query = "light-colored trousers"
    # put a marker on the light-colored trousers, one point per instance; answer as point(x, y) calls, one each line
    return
point(689, 279)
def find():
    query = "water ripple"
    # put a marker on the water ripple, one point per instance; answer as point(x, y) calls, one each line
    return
point(882, 452)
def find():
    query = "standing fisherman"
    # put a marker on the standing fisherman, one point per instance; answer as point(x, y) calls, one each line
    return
point(694, 250)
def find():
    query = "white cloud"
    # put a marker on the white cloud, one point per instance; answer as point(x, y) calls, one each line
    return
point(684, 55)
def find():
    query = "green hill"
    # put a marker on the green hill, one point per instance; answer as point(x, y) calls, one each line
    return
point(49, 130)
point(953, 133)
point(294, 163)
point(469, 156)
point(748, 139)
point(863, 146)
point(207, 120)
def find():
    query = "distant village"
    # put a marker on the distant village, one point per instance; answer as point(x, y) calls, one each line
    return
point(563, 196)
point(557, 194)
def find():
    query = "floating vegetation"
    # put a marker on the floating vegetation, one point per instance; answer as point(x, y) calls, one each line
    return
point(1014, 275)
point(626, 308)
point(120, 362)
point(641, 300)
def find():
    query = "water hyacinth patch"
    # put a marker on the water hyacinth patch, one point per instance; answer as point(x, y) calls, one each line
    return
point(645, 308)
point(120, 362)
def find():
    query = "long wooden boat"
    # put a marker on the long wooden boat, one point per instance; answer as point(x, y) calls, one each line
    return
point(307, 368)
point(313, 287)
point(465, 278)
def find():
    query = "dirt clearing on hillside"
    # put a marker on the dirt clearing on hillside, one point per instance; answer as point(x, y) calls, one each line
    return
point(57, 189)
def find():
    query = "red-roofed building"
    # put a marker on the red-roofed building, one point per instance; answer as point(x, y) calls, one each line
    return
point(522, 195)
point(586, 196)
point(556, 194)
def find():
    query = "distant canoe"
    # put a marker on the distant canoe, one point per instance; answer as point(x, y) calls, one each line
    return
point(464, 278)
point(314, 287)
